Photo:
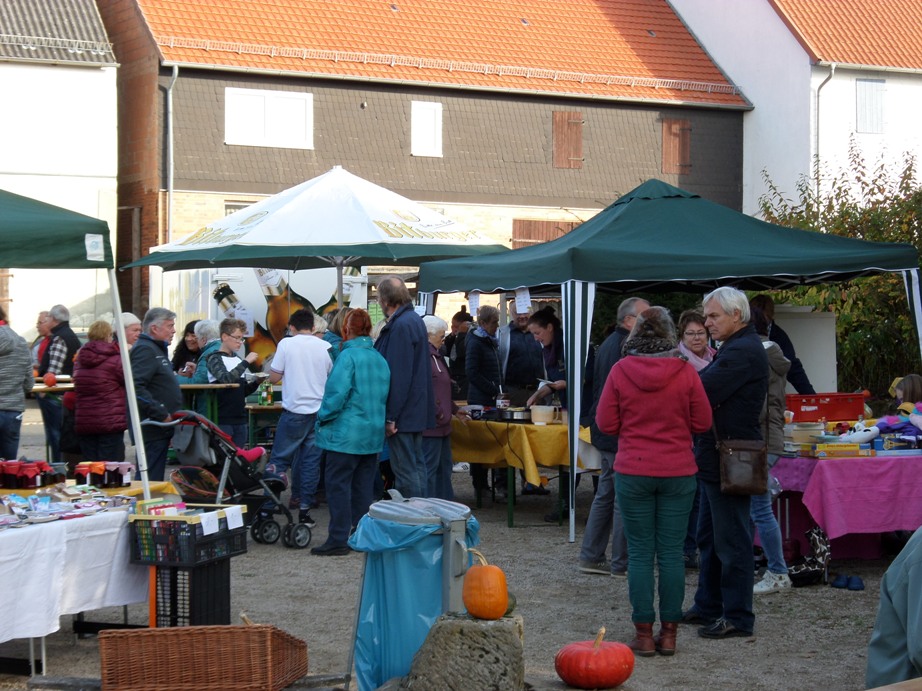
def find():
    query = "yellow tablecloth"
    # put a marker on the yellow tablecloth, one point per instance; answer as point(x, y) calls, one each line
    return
point(520, 445)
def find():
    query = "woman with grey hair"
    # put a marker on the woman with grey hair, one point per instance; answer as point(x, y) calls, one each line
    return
point(437, 441)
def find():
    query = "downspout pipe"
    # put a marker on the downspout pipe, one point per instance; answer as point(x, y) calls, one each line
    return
point(170, 154)
point(832, 71)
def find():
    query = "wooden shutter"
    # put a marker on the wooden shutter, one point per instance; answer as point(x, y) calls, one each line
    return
point(568, 139)
point(526, 232)
point(676, 146)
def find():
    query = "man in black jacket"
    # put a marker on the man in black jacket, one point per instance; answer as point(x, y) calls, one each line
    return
point(156, 386)
point(604, 514)
point(736, 383)
point(58, 358)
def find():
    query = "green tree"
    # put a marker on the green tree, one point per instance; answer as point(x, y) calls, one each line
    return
point(875, 337)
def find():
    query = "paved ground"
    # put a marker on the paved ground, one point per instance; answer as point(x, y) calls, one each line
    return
point(809, 638)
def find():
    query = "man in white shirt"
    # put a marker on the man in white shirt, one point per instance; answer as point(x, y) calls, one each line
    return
point(304, 362)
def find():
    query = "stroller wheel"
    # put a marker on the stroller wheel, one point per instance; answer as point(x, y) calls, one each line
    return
point(256, 531)
point(269, 531)
point(297, 536)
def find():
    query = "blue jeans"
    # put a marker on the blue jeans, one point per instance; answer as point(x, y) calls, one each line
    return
point(238, 433)
point(409, 464)
point(52, 418)
point(103, 447)
point(155, 449)
point(767, 525)
point(349, 480)
point(655, 512)
point(725, 544)
point(604, 520)
point(294, 448)
point(437, 451)
point(10, 424)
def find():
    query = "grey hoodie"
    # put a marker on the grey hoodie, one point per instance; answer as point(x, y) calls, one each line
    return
point(778, 367)
point(15, 370)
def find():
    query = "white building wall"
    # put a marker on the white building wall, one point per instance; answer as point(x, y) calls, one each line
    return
point(59, 144)
point(756, 51)
point(902, 104)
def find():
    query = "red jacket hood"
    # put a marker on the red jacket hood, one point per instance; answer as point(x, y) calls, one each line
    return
point(652, 372)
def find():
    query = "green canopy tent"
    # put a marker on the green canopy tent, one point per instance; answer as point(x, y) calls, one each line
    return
point(36, 235)
point(659, 238)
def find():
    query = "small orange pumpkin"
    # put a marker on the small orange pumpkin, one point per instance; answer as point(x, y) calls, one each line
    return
point(484, 592)
point(49, 379)
point(594, 664)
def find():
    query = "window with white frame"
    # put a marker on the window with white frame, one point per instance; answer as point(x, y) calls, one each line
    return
point(869, 101)
point(426, 129)
point(258, 117)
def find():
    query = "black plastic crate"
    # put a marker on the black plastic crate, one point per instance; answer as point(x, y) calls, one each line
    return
point(199, 596)
point(180, 541)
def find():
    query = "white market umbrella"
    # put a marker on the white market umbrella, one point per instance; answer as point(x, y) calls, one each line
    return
point(336, 219)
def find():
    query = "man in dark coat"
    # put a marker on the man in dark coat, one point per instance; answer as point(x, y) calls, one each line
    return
point(736, 383)
point(156, 386)
point(604, 514)
point(57, 359)
point(404, 343)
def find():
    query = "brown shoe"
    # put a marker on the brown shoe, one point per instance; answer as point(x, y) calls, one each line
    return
point(665, 639)
point(643, 645)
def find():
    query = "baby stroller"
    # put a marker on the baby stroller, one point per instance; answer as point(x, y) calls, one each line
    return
point(204, 451)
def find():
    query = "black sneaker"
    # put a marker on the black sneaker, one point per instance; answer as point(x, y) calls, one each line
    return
point(331, 550)
point(722, 629)
point(304, 516)
point(693, 616)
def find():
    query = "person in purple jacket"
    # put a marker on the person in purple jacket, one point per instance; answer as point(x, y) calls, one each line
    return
point(100, 415)
point(437, 441)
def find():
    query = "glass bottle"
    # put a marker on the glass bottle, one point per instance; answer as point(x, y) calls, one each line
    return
point(260, 342)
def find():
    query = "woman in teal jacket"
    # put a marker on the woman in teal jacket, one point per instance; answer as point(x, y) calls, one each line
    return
point(350, 427)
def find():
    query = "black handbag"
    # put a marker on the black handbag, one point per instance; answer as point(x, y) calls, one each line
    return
point(743, 465)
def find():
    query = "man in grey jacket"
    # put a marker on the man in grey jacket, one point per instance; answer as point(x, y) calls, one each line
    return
point(15, 382)
point(156, 386)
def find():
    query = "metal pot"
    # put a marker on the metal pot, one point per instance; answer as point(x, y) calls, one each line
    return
point(515, 414)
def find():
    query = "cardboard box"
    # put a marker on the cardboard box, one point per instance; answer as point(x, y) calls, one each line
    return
point(840, 450)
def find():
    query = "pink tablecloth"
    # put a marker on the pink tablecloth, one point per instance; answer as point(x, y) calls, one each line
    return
point(865, 495)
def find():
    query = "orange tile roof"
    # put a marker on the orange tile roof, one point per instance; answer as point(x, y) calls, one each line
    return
point(876, 33)
point(620, 49)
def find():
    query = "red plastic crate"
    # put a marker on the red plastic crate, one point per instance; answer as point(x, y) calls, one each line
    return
point(831, 407)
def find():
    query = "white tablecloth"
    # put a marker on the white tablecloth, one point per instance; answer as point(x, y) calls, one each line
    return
point(65, 567)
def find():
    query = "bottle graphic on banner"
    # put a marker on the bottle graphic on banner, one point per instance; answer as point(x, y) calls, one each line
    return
point(281, 301)
point(257, 339)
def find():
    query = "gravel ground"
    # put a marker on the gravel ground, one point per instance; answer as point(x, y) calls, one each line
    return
point(808, 638)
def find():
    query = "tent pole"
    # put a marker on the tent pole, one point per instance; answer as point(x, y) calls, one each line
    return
point(133, 414)
point(339, 281)
point(914, 296)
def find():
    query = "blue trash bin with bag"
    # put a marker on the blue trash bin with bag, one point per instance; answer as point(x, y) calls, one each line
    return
point(415, 561)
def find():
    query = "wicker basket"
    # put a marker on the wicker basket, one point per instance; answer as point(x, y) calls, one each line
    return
point(201, 658)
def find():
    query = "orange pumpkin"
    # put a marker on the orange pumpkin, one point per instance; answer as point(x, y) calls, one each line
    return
point(594, 664)
point(484, 592)
point(50, 379)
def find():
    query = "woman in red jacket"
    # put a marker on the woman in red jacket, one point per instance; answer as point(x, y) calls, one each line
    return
point(654, 401)
point(100, 417)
